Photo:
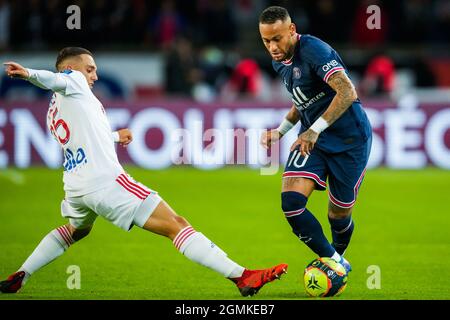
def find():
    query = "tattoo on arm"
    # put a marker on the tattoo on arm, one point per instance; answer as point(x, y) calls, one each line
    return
point(345, 95)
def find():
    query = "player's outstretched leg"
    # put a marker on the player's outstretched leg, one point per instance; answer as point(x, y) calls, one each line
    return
point(251, 281)
point(196, 247)
point(51, 247)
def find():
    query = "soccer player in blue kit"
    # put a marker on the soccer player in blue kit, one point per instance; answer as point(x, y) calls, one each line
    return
point(334, 140)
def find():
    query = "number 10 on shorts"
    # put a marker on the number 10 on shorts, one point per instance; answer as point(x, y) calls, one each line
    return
point(294, 159)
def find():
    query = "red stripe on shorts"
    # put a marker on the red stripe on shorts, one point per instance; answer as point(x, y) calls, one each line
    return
point(131, 190)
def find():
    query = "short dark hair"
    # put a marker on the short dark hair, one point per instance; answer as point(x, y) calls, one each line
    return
point(69, 52)
point(273, 14)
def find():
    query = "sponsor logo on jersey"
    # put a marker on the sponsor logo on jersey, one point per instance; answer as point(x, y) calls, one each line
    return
point(72, 161)
point(303, 102)
point(297, 73)
point(329, 65)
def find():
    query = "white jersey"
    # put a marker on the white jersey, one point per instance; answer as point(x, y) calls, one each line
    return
point(77, 120)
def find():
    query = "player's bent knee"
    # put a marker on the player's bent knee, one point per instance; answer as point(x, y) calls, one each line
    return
point(175, 225)
point(181, 222)
point(292, 201)
point(336, 212)
point(165, 221)
point(304, 186)
point(78, 234)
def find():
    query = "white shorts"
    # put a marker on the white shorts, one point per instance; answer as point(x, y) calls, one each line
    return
point(124, 203)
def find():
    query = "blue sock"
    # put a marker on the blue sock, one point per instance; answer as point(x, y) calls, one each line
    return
point(304, 225)
point(341, 230)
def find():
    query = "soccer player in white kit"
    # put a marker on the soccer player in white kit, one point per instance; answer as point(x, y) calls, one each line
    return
point(95, 183)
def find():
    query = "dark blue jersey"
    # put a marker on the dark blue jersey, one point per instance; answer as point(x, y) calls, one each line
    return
point(305, 77)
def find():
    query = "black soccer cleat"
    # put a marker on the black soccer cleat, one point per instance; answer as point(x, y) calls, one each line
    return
point(13, 283)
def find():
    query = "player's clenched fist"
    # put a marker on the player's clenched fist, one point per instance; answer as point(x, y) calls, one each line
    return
point(15, 70)
point(125, 137)
point(270, 137)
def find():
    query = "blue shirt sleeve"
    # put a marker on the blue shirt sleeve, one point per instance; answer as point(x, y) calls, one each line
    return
point(323, 59)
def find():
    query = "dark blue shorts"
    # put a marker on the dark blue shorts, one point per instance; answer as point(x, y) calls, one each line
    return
point(344, 171)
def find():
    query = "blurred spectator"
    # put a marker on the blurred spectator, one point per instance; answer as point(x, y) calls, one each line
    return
point(106, 24)
point(198, 38)
point(245, 81)
point(214, 73)
point(117, 20)
point(417, 16)
point(166, 25)
point(98, 24)
point(379, 77)
point(34, 25)
point(135, 22)
point(55, 22)
point(4, 24)
point(244, 12)
point(336, 26)
point(424, 76)
point(218, 24)
point(441, 30)
point(181, 71)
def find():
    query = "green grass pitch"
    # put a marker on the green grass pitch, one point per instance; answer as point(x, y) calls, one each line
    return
point(402, 223)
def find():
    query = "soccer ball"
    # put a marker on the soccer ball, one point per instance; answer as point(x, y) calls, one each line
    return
point(324, 277)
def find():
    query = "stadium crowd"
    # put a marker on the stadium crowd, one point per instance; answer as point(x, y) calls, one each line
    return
point(212, 46)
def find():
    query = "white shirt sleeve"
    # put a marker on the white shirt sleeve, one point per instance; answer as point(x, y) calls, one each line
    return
point(115, 136)
point(64, 83)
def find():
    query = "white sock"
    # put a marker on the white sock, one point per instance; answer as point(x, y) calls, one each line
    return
point(51, 247)
point(195, 246)
point(336, 257)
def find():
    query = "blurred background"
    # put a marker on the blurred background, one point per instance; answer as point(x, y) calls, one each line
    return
point(172, 56)
point(181, 67)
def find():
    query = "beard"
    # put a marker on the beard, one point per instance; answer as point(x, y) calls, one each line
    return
point(287, 54)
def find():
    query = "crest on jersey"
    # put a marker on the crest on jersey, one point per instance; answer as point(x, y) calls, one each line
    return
point(296, 72)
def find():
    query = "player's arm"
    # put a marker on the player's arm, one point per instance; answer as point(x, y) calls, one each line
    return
point(270, 137)
point(345, 95)
point(41, 78)
point(122, 136)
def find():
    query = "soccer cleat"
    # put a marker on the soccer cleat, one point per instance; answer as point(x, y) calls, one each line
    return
point(13, 283)
point(345, 264)
point(252, 280)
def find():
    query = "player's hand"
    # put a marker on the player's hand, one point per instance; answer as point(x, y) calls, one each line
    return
point(268, 138)
point(125, 137)
point(15, 70)
point(306, 141)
